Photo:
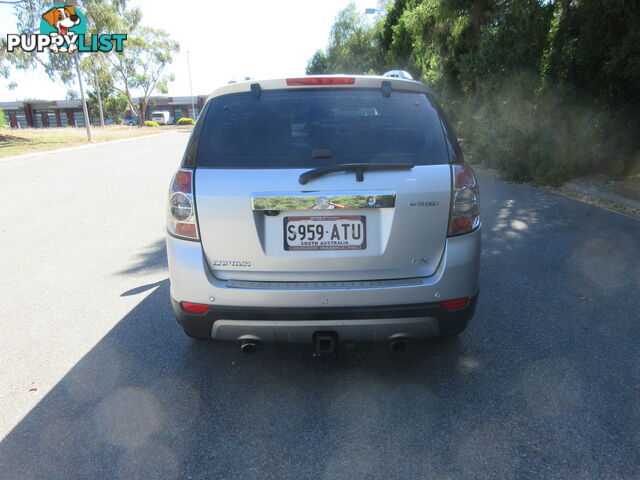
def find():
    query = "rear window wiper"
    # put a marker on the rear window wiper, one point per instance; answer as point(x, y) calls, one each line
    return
point(358, 168)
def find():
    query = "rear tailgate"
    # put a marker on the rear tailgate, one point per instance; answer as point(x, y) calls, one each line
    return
point(403, 215)
point(259, 223)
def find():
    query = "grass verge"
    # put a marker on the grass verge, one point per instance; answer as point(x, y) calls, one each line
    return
point(28, 140)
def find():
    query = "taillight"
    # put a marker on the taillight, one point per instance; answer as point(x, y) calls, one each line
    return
point(311, 81)
point(465, 203)
point(181, 212)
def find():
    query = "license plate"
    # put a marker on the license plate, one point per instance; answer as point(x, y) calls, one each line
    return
point(325, 233)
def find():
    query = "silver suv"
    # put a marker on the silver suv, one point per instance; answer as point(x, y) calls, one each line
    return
point(323, 209)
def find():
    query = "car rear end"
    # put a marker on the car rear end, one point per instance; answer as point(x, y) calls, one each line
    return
point(323, 209)
point(161, 118)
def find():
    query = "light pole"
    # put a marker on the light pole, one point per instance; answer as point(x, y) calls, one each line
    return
point(95, 72)
point(87, 122)
point(193, 105)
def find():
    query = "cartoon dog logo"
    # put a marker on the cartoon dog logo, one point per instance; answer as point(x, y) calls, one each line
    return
point(62, 19)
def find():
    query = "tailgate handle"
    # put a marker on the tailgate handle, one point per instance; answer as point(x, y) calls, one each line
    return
point(323, 202)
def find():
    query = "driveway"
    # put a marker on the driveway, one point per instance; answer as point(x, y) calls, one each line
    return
point(98, 381)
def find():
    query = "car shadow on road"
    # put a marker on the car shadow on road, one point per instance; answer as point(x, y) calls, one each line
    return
point(149, 402)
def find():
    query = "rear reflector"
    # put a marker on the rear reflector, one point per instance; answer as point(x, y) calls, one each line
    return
point(460, 225)
point(194, 307)
point(455, 304)
point(187, 230)
point(309, 81)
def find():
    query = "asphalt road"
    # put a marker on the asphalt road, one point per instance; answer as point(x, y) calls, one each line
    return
point(97, 380)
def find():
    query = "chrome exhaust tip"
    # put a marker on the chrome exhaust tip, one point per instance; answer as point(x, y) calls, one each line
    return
point(399, 344)
point(248, 346)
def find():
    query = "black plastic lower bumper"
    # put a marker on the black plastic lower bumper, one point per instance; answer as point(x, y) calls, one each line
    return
point(449, 321)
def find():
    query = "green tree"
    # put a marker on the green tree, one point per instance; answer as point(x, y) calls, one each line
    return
point(142, 65)
point(72, 94)
point(541, 89)
point(317, 64)
point(353, 46)
point(114, 105)
point(99, 78)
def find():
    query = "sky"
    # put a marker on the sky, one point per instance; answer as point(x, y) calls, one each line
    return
point(225, 40)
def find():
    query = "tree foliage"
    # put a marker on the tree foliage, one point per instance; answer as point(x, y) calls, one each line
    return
point(142, 64)
point(114, 105)
point(541, 89)
point(318, 63)
point(353, 46)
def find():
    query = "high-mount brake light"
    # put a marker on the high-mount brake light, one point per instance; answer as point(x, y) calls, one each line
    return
point(181, 212)
point(314, 81)
point(465, 202)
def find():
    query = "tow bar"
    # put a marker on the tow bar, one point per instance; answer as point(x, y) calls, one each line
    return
point(325, 342)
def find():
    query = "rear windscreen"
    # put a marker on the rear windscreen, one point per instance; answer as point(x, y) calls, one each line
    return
point(313, 128)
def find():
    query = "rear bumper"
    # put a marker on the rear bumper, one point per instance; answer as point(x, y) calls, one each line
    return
point(456, 276)
point(366, 311)
point(297, 325)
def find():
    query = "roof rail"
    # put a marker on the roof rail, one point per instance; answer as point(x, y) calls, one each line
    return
point(398, 74)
